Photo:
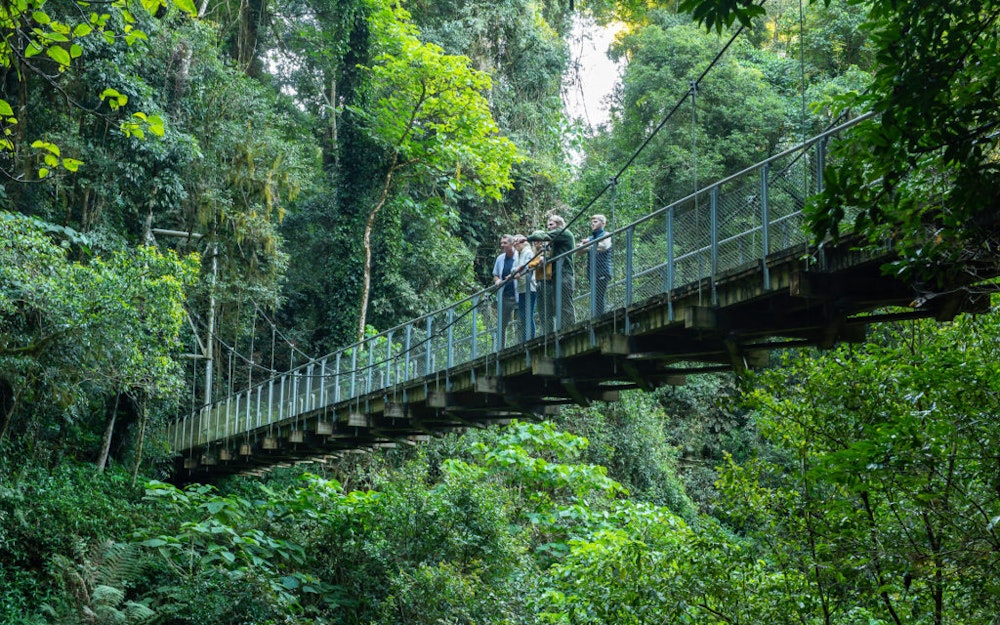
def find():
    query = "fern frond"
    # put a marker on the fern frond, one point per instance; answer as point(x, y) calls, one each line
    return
point(107, 595)
point(117, 564)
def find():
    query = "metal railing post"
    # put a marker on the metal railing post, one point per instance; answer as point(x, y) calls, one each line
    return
point(498, 337)
point(592, 270)
point(451, 337)
point(248, 410)
point(714, 221)
point(236, 420)
point(430, 346)
point(293, 405)
point(670, 264)
point(559, 303)
point(474, 316)
point(820, 163)
point(765, 226)
point(281, 399)
point(629, 260)
point(371, 365)
point(406, 354)
point(336, 378)
point(307, 404)
point(260, 391)
point(322, 382)
point(354, 370)
point(270, 401)
point(388, 360)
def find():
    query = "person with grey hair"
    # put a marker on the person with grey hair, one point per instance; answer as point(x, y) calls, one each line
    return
point(503, 270)
point(561, 241)
point(598, 248)
point(526, 287)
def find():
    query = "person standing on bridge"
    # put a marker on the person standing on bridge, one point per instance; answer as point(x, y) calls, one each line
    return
point(526, 287)
point(598, 261)
point(503, 270)
point(557, 309)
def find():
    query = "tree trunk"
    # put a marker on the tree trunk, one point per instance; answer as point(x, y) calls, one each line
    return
point(142, 438)
point(8, 401)
point(251, 14)
point(334, 149)
point(102, 460)
point(366, 276)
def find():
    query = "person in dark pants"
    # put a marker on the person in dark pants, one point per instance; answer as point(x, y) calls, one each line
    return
point(544, 284)
point(561, 241)
point(504, 266)
point(526, 287)
point(598, 247)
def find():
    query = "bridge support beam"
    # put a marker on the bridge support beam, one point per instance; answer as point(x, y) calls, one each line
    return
point(701, 318)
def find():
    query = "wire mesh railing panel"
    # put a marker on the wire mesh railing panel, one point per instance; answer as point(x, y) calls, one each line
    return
point(415, 360)
point(790, 182)
point(740, 236)
point(692, 239)
point(378, 367)
point(441, 347)
point(786, 199)
point(481, 320)
point(583, 288)
point(648, 258)
point(614, 293)
point(467, 334)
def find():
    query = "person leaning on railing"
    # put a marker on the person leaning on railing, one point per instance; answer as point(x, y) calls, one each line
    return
point(526, 287)
point(598, 260)
point(506, 283)
point(559, 240)
point(539, 240)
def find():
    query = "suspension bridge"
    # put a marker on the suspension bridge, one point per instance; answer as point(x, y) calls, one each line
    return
point(712, 282)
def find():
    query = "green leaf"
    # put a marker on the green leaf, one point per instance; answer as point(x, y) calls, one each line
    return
point(152, 6)
point(82, 30)
point(156, 125)
point(187, 6)
point(41, 17)
point(134, 36)
point(290, 582)
point(55, 36)
point(43, 172)
point(59, 55)
point(34, 49)
point(71, 164)
point(45, 145)
point(5, 109)
point(115, 99)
